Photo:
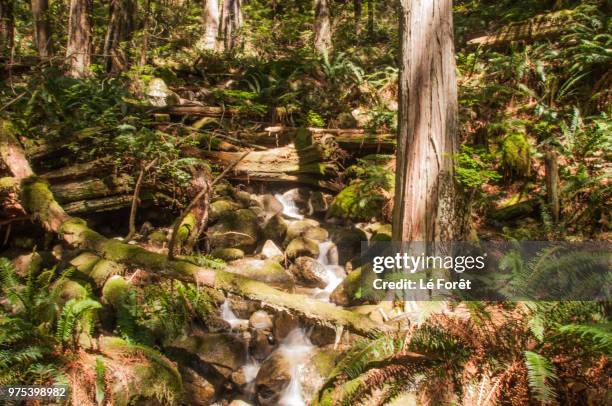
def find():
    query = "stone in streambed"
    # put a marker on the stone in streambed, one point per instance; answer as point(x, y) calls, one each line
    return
point(221, 207)
point(236, 229)
point(306, 228)
point(272, 379)
point(224, 351)
point(260, 320)
point(309, 272)
point(261, 344)
point(275, 229)
point(272, 252)
point(228, 254)
point(284, 323)
point(261, 270)
point(271, 204)
point(302, 247)
point(318, 202)
point(243, 198)
point(348, 241)
point(197, 390)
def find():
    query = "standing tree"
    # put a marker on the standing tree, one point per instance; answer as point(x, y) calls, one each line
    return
point(231, 23)
point(7, 27)
point(120, 28)
point(357, 14)
point(322, 26)
point(425, 193)
point(42, 28)
point(370, 18)
point(78, 50)
point(210, 20)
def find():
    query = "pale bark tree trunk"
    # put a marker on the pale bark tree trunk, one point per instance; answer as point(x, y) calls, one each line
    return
point(78, 50)
point(7, 27)
point(552, 184)
point(425, 192)
point(120, 28)
point(322, 26)
point(231, 23)
point(144, 48)
point(210, 20)
point(42, 28)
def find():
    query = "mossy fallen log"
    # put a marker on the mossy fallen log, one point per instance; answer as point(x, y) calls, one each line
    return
point(92, 188)
point(77, 171)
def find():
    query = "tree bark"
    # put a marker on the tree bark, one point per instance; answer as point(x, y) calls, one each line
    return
point(210, 20)
point(7, 27)
point(78, 50)
point(120, 27)
point(42, 28)
point(322, 27)
point(231, 23)
point(145, 34)
point(371, 18)
point(425, 192)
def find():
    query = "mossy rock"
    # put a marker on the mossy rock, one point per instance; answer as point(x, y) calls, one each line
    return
point(228, 254)
point(302, 139)
point(221, 207)
point(267, 270)
point(516, 155)
point(224, 351)
point(235, 229)
point(158, 238)
point(346, 293)
point(104, 269)
point(71, 290)
point(275, 229)
point(353, 203)
point(243, 198)
point(306, 228)
point(302, 247)
point(115, 289)
point(187, 226)
point(224, 188)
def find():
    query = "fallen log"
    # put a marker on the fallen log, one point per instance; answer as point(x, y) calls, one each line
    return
point(38, 200)
point(98, 205)
point(538, 27)
point(78, 171)
point(193, 110)
point(92, 188)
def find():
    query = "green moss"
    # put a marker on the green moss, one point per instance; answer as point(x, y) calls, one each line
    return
point(353, 203)
point(103, 270)
point(85, 262)
point(516, 154)
point(382, 233)
point(300, 247)
point(114, 290)
point(302, 139)
point(221, 207)
point(36, 197)
point(72, 290)
point(186, 227)
point(228, 254)
point(158, 237)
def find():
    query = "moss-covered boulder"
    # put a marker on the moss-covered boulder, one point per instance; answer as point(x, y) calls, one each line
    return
point(226, 352)
point(224, 188)
point(347, 293)
point(272, 252)
point(381, 232)
point(275, 229)
point(516, 155)
point(318, 202)
point(356, 203)
point(309, 272)
point(271, 205)
point(306, 228)
point(221, 207)
point(272, 379)
point(243, 198)
point(235, 229)
point(302, 247)
point(158, 238)
point(266, 270)
point(228, 254)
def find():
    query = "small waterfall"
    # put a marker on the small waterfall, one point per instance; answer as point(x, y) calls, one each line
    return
point(334, 274)
point(229, 316)
point(296, 348)
point(289, 207)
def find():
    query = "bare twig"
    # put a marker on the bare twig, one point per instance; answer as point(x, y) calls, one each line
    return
point(134, 209)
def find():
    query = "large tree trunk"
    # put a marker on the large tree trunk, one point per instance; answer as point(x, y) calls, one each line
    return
point(42, 28)
point(322, 26)
point(357, 16)
point(425, 193)
point(371, 5)
point(210, 20)
point(7, 27)
point(78, 50)
point(120, 27)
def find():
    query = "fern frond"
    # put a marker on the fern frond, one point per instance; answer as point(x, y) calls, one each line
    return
point(540, 373)
point(598, 337)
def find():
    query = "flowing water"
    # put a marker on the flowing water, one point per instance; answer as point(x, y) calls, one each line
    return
point(229, 316)
point(296, 348)
point(290, 209)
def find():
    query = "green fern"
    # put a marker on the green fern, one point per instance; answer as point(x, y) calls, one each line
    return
point(597, 337)
point(100, 380)
point(541, 374)
point(74, 314)
point(366, 351)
